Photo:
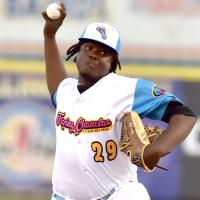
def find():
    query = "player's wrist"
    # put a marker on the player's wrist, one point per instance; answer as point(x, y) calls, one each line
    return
point(151, 156)
point(49, 33)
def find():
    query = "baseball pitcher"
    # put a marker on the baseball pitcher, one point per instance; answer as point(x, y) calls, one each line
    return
point(100, 138)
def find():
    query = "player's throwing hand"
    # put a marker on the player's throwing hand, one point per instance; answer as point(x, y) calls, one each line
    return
point(51, 26)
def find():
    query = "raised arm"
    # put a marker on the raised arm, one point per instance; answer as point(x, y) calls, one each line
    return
point(55, 70)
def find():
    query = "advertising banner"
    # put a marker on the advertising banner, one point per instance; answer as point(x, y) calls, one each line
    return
point(140, 22)
point(27, 135)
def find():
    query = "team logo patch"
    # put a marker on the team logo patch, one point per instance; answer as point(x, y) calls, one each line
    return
point(102, 31)
point(157, 91)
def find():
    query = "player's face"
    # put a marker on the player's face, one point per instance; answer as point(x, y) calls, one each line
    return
point(93, 61)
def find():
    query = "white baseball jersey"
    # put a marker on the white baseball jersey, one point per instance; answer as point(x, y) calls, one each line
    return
point(88, 162)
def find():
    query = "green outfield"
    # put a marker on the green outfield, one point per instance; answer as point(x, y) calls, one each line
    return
point(186, 73)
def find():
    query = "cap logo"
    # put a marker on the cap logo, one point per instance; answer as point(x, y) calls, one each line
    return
point(102, 31)
point(157, 91)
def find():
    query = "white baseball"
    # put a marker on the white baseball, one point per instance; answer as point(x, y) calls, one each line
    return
point(52, 11)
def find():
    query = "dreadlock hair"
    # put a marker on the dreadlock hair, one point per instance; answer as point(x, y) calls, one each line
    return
point(73, 50)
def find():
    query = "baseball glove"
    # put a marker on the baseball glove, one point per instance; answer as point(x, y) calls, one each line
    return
point(135, 137)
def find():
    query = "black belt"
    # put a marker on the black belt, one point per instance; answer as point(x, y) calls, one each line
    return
point(58, 197)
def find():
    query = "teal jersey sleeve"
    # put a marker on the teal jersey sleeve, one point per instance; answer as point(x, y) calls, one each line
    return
point(53, 99)
point(150, 101)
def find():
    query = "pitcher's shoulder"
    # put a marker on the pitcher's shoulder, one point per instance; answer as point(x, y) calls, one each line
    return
point(123, 79)
point(67, 82)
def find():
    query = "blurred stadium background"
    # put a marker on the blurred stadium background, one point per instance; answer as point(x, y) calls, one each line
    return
point(160, 42)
